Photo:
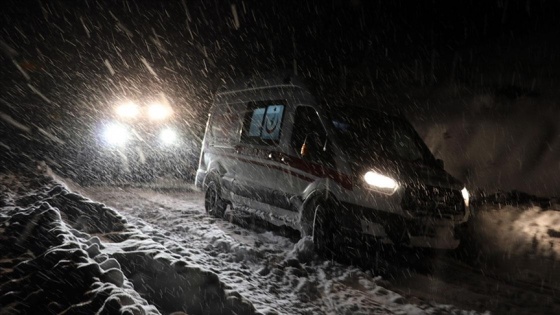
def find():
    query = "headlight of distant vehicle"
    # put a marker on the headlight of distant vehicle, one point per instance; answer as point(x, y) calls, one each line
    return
point(168, 136)
point(128, 110)
point(157, 111)
point(466, 196)
point(116, 134)
point(381, 183)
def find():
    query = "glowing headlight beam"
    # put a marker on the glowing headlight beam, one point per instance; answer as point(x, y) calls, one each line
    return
point(168, 136)
point(116, 134)
point(128, 110)
point(158, 111)
point(382, 182)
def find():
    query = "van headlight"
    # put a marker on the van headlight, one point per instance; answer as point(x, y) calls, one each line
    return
point(128, 110)
point(116, 134)
point(466, 196)
point(168, 136)
point(380, 183)
point(158, 111)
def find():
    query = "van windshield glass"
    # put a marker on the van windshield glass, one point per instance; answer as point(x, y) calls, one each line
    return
point(365, 132)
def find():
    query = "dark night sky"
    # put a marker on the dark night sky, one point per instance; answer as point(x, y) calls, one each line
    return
point(382, 51)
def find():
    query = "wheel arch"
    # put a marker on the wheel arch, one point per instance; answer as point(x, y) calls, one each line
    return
point(308, 209)
point(215, 171)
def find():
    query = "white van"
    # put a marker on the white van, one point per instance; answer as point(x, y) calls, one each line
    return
point(337, 172)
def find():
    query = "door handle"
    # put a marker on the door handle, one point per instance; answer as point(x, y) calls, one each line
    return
point(277, 157)
point(285, 160)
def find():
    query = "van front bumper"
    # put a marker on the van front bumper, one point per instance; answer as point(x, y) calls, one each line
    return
point(366, 225)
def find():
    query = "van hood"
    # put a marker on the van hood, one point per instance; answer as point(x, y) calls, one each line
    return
point(408, 172)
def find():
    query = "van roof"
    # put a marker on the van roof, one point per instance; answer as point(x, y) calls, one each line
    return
point(263, 81)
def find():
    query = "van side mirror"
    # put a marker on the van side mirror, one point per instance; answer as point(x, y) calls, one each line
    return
point(439, 163)
point(308, 146)
point(304, 151)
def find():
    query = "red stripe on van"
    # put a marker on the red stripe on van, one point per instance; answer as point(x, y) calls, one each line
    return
point(297, 163)
point(319, 170)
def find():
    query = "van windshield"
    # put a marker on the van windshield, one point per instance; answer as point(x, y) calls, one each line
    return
point(365, 132)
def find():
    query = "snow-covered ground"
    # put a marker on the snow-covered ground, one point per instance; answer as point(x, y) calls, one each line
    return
point(160, 253)
point(150, 251)
point(63, 253)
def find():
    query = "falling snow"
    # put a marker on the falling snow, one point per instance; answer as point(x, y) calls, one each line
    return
point(86, 227)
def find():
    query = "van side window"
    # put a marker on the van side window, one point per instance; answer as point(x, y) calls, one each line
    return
point(263, 123)
point(226, 124)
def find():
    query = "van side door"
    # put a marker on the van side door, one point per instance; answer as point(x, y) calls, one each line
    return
point(261, 134)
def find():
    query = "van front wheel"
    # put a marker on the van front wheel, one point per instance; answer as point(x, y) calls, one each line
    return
point(323, 230)
point(213, 202)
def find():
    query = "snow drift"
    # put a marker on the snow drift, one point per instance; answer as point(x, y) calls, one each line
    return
point(520, 242)
point(63, 253)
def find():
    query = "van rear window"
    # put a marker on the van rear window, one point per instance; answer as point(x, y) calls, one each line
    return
point(226, 123)
point(263, 123)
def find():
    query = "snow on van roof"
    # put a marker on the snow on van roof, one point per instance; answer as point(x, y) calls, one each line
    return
point(263, 80)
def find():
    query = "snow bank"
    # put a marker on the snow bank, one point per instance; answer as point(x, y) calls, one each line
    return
point(49, 266)
point(64, 253)
point(530, 232)
point(497, 144)
point(522, 241)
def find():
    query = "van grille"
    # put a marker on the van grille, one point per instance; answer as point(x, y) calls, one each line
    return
point(433, 201)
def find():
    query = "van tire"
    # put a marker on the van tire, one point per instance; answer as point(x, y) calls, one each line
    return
point(213, 202)
point(323, 229)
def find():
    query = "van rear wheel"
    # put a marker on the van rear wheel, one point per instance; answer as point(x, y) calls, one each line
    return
point(213, 202)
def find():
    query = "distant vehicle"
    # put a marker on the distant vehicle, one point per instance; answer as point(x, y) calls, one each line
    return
point(339, 173)
point(137, 141)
